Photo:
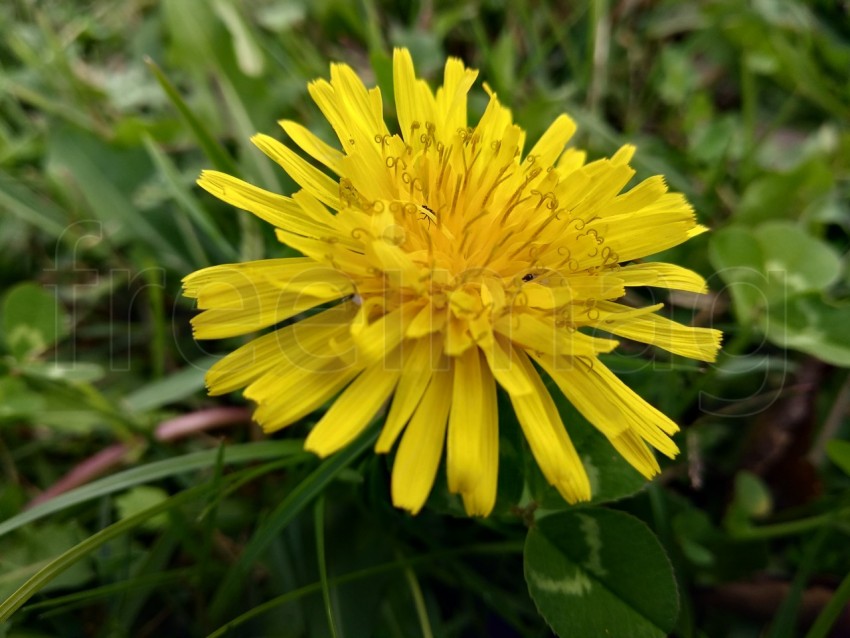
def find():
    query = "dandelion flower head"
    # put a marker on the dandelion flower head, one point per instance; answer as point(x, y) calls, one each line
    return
point(440, 260)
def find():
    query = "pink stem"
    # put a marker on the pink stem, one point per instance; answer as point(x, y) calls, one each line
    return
point(81, 474)
point(112, 456)
point(188, 424)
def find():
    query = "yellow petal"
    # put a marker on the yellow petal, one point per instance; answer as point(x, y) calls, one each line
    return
point(696, 343)
point(552, 142)
point(290, 395)
point(414, 101)
point(275, 209)
point(662, 275)
point(637, 454)
point(472, 455)
point(292, 345)
point(381, 336)
point(480, 500)
point(422, 446)
point(464, 461)
point(421, 359)
point(313, 146)
point(305, 174)
point(353, 410)
point(503, 362)
point(550, 444)
point(610, 404)
point(542, 335)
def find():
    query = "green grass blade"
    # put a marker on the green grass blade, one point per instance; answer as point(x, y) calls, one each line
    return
point(187, 201)
point(376, 570)
point(319, 520)
point(65, 560)
point(21, 202)
point(299, 498)
point(109, 204)
point(833, 609)
point(151, 472)
point(211, 147)
point(174, 387)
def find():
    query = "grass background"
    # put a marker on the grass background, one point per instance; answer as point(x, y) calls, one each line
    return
point(108, 112)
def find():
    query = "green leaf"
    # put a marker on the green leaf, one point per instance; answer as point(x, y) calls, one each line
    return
point(809, 264)
point(105, 175)
point(752, 496)
point(808, 324)
point(599, 572)
point(33, 320)
point(839, 453)
point(139, 499)
point(737, 257)
point(777, 276)
point(175, 387)
point(17, 400)
point(24, 554)
point(69, 371)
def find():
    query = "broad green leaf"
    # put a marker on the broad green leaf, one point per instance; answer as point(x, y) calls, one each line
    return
point(19, 200)
point(187, 200)
point(139, 499)
point(737, 258)
point(777, 276)
point(807, 323)
point(839, 453)
point(599, 572)
point(33, 320)
point(17, 400)
point(175, 387)
point(105, 175)
point(70, 371)
point(752, 496)
point(809, 264)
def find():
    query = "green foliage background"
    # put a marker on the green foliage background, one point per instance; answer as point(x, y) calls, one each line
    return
point(108, 112)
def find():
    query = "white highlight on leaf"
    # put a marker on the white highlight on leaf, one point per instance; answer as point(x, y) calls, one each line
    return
point(592, 474)
point(577, 585)
point(590, 527)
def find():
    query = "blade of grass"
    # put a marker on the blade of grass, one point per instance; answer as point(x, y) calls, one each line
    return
point(151, 472)
point(785, 621)
point(299, 498)
point(58, 565)
point(68, 602)
point(186, 200)
point(833, 609)
point(109, 204)
point(169, 389)
point(490, 548)
point(418, 602)
point(319, 521)
point(214, 151)
point(23, 203)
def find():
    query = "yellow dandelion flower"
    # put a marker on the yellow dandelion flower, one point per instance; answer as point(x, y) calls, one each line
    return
point(444, 260)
